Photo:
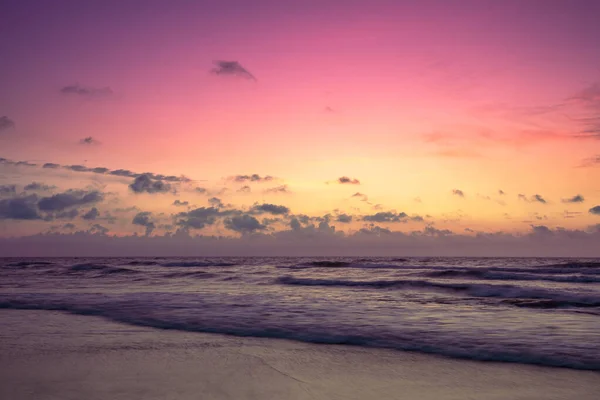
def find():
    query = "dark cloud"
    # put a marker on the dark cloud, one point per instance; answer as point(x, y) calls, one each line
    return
point(198, 218)
point(51, 166)
point(344, 218)
point(7, 190)
point(70, 198)
point(458, 192)
point(179, 203)
point(91, 215)
point(89, 141)
point(595, 210)
point(575, 199)
point(77, 168)
point(244, 224)
point(37, 186)
point(201, 190)
point(145, 184)
point(271, 208)
point(431, 231)
point(89, 92)
point(231, 68)
point(21, 208)
point(278, 189)
point(144, 219)
point(251, 178)
point(98, 229)
point(386, 217)
point(66, 214)
point(245, 189)
point(501, 192)
point(344, 180)
point(215, 202)
point(6, 123)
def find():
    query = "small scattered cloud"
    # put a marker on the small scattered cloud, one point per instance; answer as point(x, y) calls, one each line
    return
point(575, 199)
point(86, 91)
point(244, 224)
point(590, 162)
point(386, 216)
point(40, 187)
point(231, 68)
point(251, 178)
point(344, 180)
point(278, 189)
point(215, 202)
point(144, 184)
point(179, 203)
point(68, 199)
point(89, 141)
point(144, 219)
point(271, 208)
point(595, 210)
point(8, 190)
point(51, 166)
point(245, 189)
point(344, 218)
point(458, 192)
point(6, 123)
point(201, 190)
point(360, 196)
point(91, 215)
point(536, 198)
point(501, 192)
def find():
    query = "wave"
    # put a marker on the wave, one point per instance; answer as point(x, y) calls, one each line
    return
point(508, 276)
point(142, 263)
point(562, 299)
point(193, 274)
point(100, 268)
point(21, 264)
point(406, 340)
point(197, 264)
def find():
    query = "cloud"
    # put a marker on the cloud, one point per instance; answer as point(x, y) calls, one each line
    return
point(88, 92)
point(179, 203)
point(251, 178)
point(231, 68)
point(92, 214)
point(198, 218)
point(6, 123)
point(458, 192)
point(344, 180)
point(501, 192)
point(278, 189)
point(21, 208)
point(215, 202)
point(6, 190)
point(51, 166)
point(89, 141)
point(270, 208)
point(145, 184)
point(245, 189)
point(595, 210)
point(590, 162)
point(37, 186)
point(386, 216)
point(244, 224)
point(100, 170)
point(344, 218)
point(575, 199)
point(144, 219)
point(201, 190)
point(536, 198)
point(361, 196)
point(70, 198)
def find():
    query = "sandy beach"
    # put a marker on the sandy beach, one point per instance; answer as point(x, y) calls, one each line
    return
point(52, 355)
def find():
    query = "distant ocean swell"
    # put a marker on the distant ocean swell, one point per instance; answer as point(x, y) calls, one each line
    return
point(129, 312)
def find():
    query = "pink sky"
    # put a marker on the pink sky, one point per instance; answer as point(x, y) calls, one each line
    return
point(413, 99)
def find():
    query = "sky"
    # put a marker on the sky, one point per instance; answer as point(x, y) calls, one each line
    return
point(314, 127)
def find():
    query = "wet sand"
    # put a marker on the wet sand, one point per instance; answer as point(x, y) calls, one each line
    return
point(52, 355)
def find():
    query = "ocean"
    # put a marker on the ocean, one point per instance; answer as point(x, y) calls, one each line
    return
point(520, 310)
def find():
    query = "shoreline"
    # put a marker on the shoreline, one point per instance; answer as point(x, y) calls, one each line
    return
point(53, 354)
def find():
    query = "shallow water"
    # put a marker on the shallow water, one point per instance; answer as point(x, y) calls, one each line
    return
point(537, 311)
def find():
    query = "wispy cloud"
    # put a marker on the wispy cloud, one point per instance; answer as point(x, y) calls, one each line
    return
point(344, 180)
point(575, 199)
point(458, 192)
point(86, 91)
point(6, 123)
